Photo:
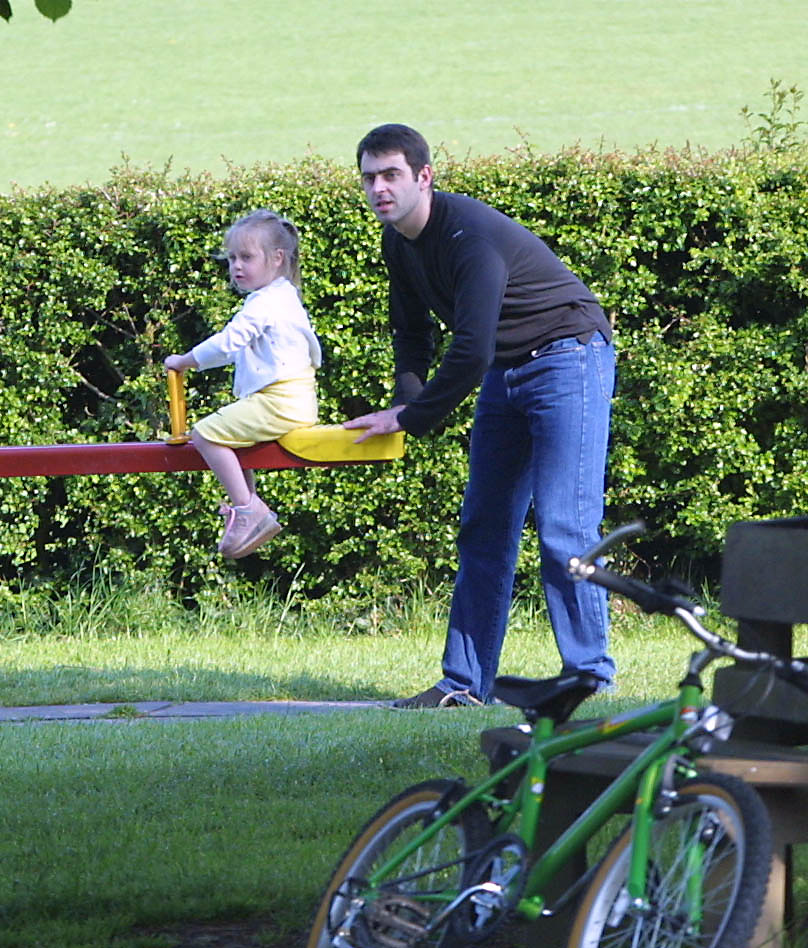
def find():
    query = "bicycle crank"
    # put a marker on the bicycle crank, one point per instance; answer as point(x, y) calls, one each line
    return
point(494, 884)
point(395, 920)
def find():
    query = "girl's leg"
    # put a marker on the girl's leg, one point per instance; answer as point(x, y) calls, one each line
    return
point(249, 478)
point(225, 465)
point(263, 416)
point(248, 522)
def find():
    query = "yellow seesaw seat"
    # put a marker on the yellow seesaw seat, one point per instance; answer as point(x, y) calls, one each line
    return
point(320, 443)
point(335, 443)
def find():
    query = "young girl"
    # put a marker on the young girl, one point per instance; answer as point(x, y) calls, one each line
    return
point(275, 353)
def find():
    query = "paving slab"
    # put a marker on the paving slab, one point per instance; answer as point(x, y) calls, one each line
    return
point(139, 710)
point(76, 712)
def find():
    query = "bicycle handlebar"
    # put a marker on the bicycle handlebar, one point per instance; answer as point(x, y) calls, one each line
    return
point(611, 540)
point(667, 598)
point(650, 599)
point(664, 598)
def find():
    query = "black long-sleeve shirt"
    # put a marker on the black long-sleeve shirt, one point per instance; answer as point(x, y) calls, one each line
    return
point(494, 283)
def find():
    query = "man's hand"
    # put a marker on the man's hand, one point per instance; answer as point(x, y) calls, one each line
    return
point(376, 423)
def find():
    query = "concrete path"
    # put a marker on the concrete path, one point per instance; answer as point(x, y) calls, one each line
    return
point(140, 710)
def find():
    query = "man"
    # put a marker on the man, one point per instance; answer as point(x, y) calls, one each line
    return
point(537, 340)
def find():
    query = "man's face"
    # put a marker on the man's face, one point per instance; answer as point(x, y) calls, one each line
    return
point(395, 195)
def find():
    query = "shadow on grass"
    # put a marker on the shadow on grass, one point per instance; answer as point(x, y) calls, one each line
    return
point(68, 684)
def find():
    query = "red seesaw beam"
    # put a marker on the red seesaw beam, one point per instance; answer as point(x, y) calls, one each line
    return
point(128, 458)
point(319, 446)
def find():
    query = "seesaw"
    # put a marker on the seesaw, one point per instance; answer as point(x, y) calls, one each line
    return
point(318, 446)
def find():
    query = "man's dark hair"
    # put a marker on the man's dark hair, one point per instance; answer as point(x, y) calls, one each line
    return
point(392, 137)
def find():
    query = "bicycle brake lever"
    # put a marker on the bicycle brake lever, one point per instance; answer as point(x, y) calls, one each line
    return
point(795, 673)
point(673, 586)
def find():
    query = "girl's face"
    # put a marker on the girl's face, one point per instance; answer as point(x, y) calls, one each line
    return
point(250, 266)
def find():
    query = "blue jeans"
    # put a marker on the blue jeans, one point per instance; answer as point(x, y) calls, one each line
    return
point(540, 434)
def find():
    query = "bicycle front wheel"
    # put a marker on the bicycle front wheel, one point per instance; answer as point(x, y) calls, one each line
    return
point(708, 865)
point(435, 867)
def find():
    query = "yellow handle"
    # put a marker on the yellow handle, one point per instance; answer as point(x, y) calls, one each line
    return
point(177, 408)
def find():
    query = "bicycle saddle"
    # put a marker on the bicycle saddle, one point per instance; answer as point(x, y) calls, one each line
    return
point(554, 698)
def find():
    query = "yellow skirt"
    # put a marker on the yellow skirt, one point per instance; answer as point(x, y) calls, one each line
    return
point(264, 415)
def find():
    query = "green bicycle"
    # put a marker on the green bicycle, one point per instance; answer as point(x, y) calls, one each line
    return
point(445, 865)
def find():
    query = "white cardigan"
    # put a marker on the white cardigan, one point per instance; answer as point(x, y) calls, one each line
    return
point(270, 339)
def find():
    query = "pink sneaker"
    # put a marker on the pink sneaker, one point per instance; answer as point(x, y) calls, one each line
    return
point(246, 528)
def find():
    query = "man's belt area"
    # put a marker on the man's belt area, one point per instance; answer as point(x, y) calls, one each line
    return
point(522, 358)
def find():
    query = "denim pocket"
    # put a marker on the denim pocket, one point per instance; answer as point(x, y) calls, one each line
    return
point(603, 357)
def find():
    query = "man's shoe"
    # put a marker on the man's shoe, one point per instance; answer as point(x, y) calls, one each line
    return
point(606, 687)
point(246, 528)
point(435, 697)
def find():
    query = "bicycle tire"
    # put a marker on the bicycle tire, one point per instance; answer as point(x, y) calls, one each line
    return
point(404, 815)
point(734, 826)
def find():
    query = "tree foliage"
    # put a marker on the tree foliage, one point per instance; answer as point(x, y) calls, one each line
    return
point(52, 9)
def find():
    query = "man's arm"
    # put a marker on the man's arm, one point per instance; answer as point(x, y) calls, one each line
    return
point(413, 350)
point(480, 276)
point(408, 387)
point(479, 279)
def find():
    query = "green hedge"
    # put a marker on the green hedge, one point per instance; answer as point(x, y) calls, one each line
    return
point(701, 261)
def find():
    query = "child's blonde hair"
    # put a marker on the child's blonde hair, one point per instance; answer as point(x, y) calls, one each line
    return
point(272, 232)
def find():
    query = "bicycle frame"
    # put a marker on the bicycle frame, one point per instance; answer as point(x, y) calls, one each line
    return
point(641, 778)
point(665, 868)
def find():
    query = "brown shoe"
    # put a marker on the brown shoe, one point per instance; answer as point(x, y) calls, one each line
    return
point(435, 697)
point(246, 528)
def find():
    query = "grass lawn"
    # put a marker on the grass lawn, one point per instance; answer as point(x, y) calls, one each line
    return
point(151, 834)
point(112, 830)
point(203, 82)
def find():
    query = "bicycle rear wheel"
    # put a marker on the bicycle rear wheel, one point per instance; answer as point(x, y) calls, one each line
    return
point(708, 865)
point(398, 822)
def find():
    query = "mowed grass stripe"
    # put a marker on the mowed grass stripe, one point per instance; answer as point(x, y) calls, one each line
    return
point(196, 81)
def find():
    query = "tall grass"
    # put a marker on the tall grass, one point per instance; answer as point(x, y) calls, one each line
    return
point(100, 642)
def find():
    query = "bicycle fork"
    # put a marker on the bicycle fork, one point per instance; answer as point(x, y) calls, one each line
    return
point(655, 798)
point(636, 895)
